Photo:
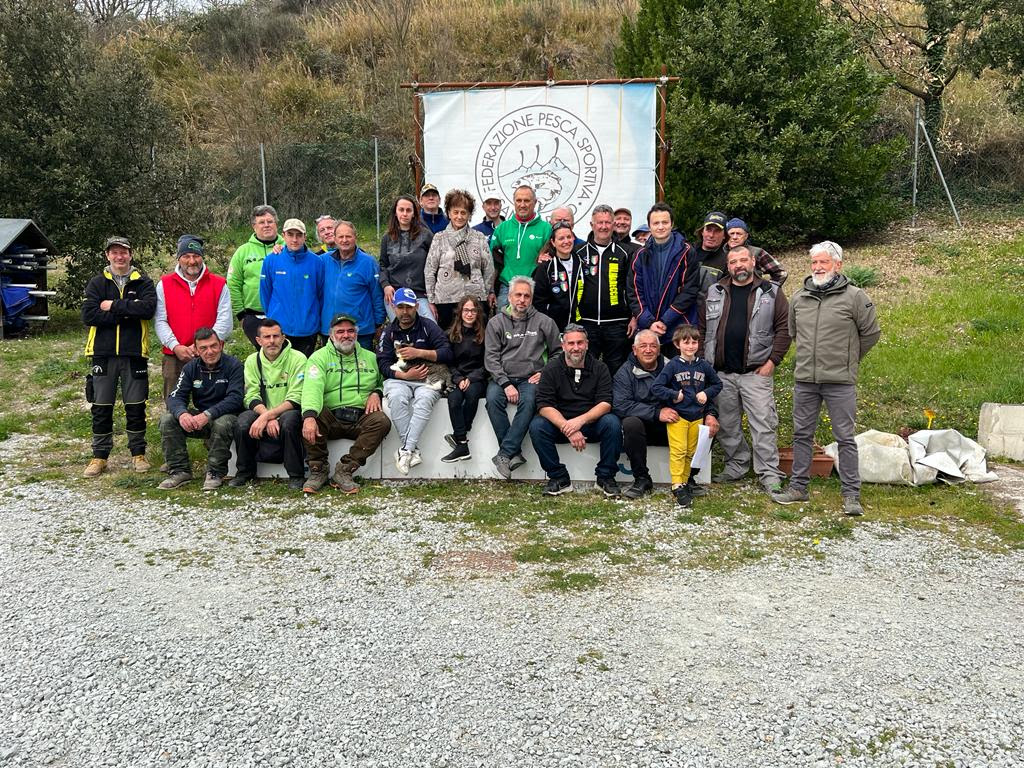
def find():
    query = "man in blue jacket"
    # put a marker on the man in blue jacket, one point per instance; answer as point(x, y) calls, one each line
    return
point(430, 209)
point(292, 288)
point(215, 385)
point(351, 285)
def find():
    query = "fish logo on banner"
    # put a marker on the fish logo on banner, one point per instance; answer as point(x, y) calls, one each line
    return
point(544, 147)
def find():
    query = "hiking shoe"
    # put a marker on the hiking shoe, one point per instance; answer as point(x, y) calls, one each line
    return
point(403, 460)
point(852, 507)
point(450, 439)
point(727, 477)
point(296, 484)
point(640, 487)
point(317, 478)
point(608, 485)
point(683, 497)
point(212, 482)
point(516, 462)
point(459, 453)
point(696, 489)
point(502, 467)
point(414, 457)
point(176, 479)
point(557, 486)
point(342, 479)
point(95, 468)
point(239, 480)
point(790, 496)
point(165, 467)
point(140, 465)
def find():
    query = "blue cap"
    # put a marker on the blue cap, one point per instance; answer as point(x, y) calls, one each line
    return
point(641, 228)
point(737, 224)
point(406, 296)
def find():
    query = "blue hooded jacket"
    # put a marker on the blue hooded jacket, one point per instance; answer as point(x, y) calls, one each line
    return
point(435, 221)
point(292, 290)
point(352, 287)
point(665, 291)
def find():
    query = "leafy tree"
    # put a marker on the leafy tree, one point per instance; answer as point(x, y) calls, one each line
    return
point(85, 148)
point(999, 46)
point(773, 119)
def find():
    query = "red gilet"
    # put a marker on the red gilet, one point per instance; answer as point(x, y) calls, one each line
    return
point(187, 313)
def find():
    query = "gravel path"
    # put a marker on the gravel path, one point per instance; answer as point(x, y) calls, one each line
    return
point(157, 636)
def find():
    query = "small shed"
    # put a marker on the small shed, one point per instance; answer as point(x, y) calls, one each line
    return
point(26, 257)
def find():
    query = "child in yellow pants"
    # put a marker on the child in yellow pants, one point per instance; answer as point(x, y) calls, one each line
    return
point(686, 384)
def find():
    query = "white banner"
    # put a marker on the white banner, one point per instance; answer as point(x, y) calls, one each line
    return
point(577, 146)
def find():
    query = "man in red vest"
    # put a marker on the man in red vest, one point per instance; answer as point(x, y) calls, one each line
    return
point(189, 298)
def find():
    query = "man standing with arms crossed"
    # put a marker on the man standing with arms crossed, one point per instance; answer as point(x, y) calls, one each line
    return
point(834, 325)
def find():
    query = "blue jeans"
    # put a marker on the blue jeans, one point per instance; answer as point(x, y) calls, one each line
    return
point(501, 300)
point(511, 436)
point(607, 431)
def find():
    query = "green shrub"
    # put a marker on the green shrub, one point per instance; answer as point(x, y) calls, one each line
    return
point(862, 277)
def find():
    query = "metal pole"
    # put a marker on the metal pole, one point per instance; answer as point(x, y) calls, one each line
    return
point(263, 172)
point(376, 178)
point(663, 143)
point(917, 147)
point(938, 168)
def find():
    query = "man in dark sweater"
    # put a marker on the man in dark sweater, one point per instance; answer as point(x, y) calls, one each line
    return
point(574, 404)
point(215, 385)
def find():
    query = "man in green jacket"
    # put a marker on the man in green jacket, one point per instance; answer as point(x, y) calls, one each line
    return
point(246, 266)
point(516, 243)
point(270, 430)
point(341, 398)
point(834, 325)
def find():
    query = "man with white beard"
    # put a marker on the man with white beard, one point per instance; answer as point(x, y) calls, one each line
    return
point(341, 397)
point(834, 325)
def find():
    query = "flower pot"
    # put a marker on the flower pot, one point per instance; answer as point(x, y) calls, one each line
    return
point(821, 462)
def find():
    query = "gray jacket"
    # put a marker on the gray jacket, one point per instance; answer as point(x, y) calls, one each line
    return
point(834, 328)
point(445, 284)
point(767, 324)
point(517, 349)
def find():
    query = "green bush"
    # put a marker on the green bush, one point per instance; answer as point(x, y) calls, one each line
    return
point(862, 277)
point(773, 119)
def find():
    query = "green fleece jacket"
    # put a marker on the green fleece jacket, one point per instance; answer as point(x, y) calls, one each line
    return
point(244, 272)
point(282, 378)
point(334, 380)
point(834, 327)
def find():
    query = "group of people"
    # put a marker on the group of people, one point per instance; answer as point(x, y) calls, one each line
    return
point(629, 338)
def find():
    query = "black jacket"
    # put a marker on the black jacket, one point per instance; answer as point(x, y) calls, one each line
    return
point(124, 330)
point(605, 278)
point(218, 391)
point(467, 359)
point(559, 389)
point(555, 290)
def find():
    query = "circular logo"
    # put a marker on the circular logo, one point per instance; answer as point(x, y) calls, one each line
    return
point(546, 148)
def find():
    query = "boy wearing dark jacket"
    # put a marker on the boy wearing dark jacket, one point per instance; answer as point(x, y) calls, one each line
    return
point(687, 384)
point(119, 303)
point(215, 385)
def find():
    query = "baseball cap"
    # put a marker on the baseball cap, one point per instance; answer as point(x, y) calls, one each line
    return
point(623, 210)
point(406, 296)
point(343, 317)
point(639, 230)
point(117, 240)
point(714, 219)
point(492, 197)
point(428, 188)
point(293, 224)
point(189, 244)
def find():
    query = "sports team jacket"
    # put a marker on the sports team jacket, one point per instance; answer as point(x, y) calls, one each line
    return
point(244, 272)
point(124, 329)
point(601, 296)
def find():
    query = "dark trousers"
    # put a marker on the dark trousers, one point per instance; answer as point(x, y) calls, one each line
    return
point(637, 434)
point(219, 432)
point(305, 344)
point(251, 326)
point(607, 431)
point(368, 433)
point(609, 342)
point(286, 448)
point(101, 389)
point(462, 407)
point(171, 370)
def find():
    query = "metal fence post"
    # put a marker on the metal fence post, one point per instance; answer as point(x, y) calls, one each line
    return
point(917, 146)
point(938, 168)
point(376, 179)
point(263, 172)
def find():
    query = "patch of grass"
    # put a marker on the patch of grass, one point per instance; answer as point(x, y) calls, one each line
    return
point(560, 581)
point(362, 510)
point(594, 658)
point(861, 276)
point(343, 535)
point(542, 552)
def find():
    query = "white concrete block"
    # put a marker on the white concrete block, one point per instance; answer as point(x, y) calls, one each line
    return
point(1001, 430)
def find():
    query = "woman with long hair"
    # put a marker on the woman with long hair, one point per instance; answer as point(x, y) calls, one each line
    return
point(459, 262)
point(469, 378)
point(403, 255)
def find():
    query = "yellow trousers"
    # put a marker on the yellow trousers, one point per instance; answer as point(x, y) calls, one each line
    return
point(682, 445)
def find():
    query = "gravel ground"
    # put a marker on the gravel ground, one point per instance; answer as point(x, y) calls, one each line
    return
point(139, 634)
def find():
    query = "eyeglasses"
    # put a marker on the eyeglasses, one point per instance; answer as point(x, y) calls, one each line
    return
point(471, 310)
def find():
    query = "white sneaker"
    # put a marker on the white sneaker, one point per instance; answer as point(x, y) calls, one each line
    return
point(416, 458)
point(403, 461)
